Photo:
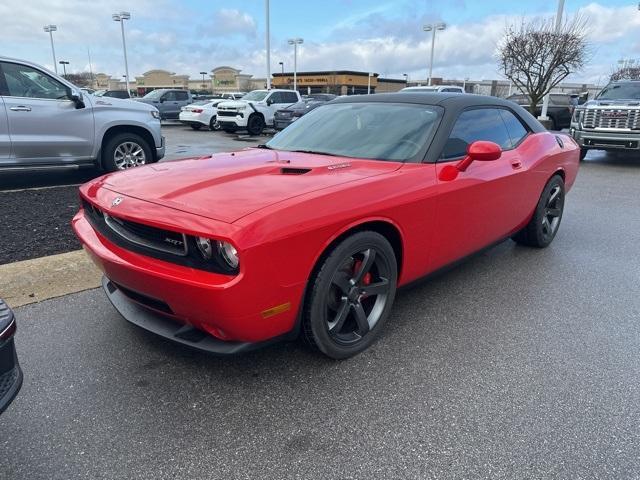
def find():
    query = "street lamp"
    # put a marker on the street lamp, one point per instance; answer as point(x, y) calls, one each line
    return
point(295, 42)
point(121, 17)
point(64, 67)
point(282, 66)
point(432, 28)
point(50, 29)
point(204, 85)
point(369, 84)
point(406, 78)
point(268, 44)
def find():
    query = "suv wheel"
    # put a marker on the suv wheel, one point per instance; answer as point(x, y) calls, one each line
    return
point(125, 150)
point(255, 125)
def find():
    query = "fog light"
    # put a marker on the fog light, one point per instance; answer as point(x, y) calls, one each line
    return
point(205, 248)
point(229, 254)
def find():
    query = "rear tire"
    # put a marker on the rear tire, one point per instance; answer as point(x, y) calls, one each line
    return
point(255, 125)
point(543, 226)
point(351, 295)
point(196, 126)
point(213, 124)
point(125, 150)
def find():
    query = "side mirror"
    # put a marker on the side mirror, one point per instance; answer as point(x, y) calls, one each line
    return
point(481, 151)
point(77, 98)
point(162, 100)
point(270, 101)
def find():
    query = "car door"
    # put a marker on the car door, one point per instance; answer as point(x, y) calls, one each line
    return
point(44, 124)
point(5, 138)
point(170, 105)
point(482, 204)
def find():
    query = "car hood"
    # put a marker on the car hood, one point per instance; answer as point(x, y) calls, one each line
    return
point(611, 103)
point(119, 103)
point(229, 186)
point(233, 104)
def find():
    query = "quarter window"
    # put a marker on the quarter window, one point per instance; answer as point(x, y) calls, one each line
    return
point(181, 96)
point(24, 81)
point(473, 125)
point(289, 97)
point(514, 126)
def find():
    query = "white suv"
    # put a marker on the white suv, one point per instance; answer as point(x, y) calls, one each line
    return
point(255, 110)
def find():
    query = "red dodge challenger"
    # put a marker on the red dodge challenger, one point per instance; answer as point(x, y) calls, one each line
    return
point(311, 233)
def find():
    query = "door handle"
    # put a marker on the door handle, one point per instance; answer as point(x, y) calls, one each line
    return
point(20, 108)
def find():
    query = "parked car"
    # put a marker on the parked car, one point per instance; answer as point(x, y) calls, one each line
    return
point(47, 122)
point(559, 110)
point(434, 89)
point(10, 372)
point(167, 101)
point(286, 116)
point(201, 114)
point(611, 121)
point(313, 231)
point(113, 94)
point(255, 110)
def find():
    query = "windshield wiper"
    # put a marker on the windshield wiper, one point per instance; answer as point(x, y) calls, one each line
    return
point(315, 152)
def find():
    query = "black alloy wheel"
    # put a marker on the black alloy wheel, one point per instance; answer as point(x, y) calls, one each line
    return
point(351, 295)
point(543, 226)
point(256, 124)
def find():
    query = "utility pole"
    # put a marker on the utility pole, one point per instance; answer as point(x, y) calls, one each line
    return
point(545, 102)
point(268, 45)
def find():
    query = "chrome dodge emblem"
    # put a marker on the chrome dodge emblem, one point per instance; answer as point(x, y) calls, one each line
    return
point(116, 201)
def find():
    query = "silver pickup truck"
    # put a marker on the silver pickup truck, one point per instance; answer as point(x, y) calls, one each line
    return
point(611, 121)
point(47, 122)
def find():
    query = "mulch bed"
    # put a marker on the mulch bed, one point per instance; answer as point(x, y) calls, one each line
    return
point(36, 223)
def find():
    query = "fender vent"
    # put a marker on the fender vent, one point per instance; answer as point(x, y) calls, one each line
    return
point(294, 171)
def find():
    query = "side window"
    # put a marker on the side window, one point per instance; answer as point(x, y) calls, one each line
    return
point(472, 125)
point(276, 97)
point(169, 97)
point(516, 130)
point(290, 97)
point(24, 81)
point(181, 96)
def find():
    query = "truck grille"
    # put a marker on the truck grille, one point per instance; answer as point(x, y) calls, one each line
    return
point(609, 118)
point(222, 113)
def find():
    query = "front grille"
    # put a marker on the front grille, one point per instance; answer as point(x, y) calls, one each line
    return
point(145, 300)
point(153, 242)
point(226, 114)
point(283, 114)
point(610, 118)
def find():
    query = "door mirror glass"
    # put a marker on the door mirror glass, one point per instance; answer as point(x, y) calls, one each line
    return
point(76, 97)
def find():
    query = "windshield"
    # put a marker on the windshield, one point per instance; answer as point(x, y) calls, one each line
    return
point(256, 95)
point(155, 95)
point(377, 131)
point(620, 91)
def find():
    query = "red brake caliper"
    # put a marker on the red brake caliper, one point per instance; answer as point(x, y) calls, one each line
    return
point(366, 280)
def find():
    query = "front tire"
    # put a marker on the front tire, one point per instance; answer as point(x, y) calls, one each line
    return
point(213, 124)
point(255, 125)
point(543, 226)
point(351, 295)
point(124, 151)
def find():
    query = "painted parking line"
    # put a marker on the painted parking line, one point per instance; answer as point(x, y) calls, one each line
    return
point(31, 281)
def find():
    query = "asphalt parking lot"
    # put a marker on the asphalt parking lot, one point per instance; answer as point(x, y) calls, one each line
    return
point(519, 363)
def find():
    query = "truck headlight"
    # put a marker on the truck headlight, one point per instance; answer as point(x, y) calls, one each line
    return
point(155, 114)
point(229, 254)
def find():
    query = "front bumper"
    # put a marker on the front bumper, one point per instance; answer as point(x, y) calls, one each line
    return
point(161, 149)
point(10, 372)
point(168, 328)
point(606, 140)
point(238, 121)
point(281, 124)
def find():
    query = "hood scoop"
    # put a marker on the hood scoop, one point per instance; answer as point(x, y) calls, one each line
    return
point(294, 171)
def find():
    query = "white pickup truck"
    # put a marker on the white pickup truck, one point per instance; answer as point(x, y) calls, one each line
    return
point(255, 110)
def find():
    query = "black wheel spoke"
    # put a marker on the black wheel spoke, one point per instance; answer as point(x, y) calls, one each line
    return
point(554, 212)
point(377, 288)
point(367, 263)
point(554, 196)
point(361, 319)
point(341, 316)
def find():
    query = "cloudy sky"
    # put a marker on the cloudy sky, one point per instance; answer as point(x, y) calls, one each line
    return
point(383, 36)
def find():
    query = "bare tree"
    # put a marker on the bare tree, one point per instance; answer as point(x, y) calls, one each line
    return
point(536, 57)
point(626, 73)
point(81, 79)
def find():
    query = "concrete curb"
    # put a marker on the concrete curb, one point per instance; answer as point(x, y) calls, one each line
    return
point(31, 281)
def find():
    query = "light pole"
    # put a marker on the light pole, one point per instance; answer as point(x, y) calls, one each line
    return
point(545, 102)
point(203, 84)
point(282, 66)
point(464, 84)
point(64, 67)
point(268, 45)
point(121, 17)
point(369, 84)
point(406, 78)
point(50, 29)
point(295, 42)
point(432, 28)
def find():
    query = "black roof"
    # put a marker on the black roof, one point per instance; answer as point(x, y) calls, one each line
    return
point(453, 103)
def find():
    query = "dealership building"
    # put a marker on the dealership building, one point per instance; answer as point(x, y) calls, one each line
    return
point(338, 82)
